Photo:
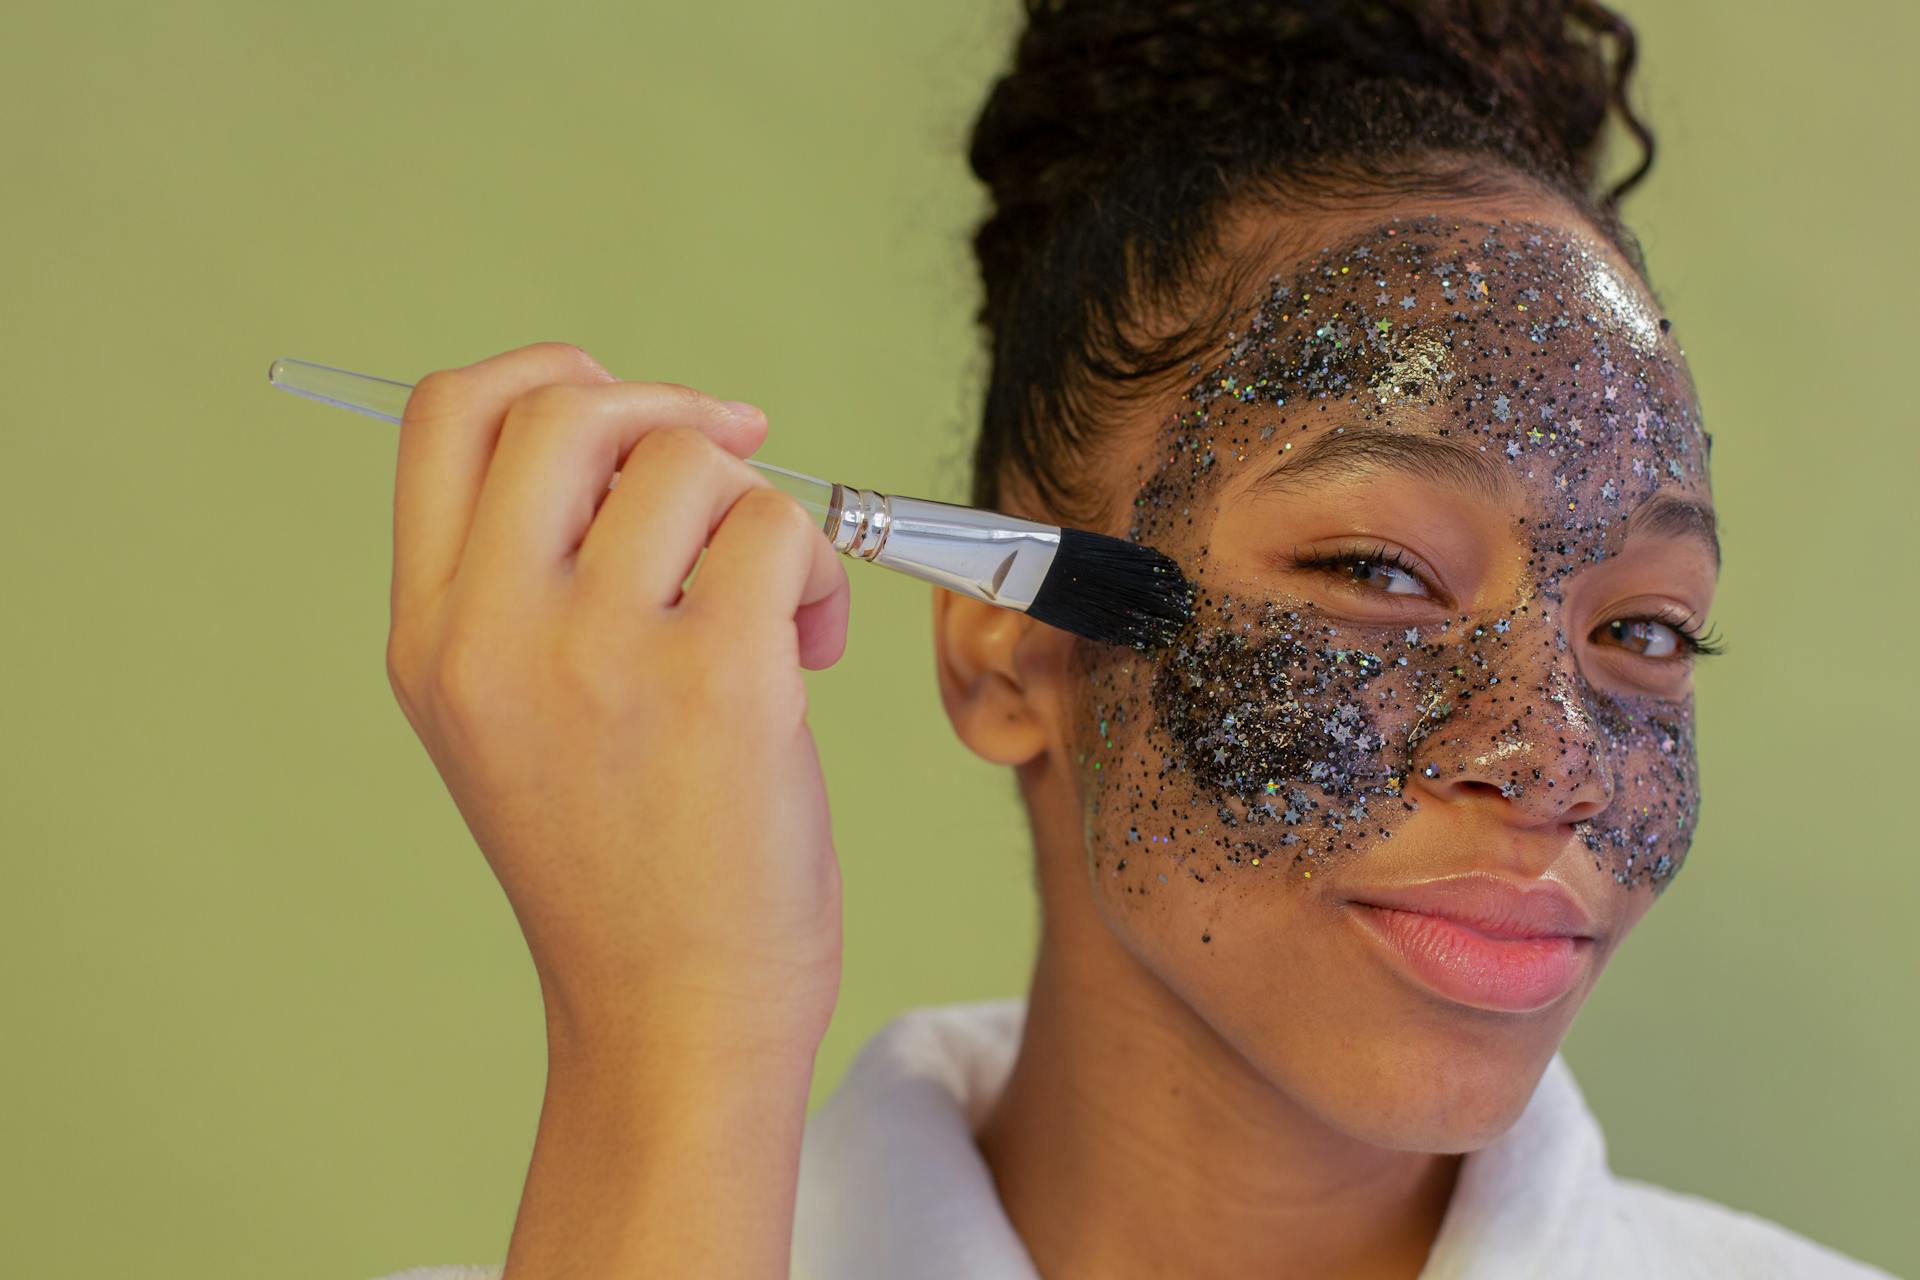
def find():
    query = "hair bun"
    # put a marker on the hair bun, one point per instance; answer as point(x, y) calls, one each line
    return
point(1124, 128)
point(1094, 82)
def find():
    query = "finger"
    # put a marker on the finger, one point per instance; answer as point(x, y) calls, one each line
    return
point(769, 558)
point(557, 453)
point(822, 626)
point(447, 434)
point(676, 486)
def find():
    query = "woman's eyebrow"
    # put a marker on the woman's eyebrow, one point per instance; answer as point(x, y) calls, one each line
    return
point(1675, 516)
point(1346, 453)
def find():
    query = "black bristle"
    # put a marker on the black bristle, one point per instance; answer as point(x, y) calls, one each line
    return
point(1113, 591)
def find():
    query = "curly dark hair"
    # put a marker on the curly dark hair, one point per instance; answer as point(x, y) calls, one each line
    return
point(1124, 130)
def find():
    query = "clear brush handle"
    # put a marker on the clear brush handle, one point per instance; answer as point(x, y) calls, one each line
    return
point(385, 399)
point(988, 555)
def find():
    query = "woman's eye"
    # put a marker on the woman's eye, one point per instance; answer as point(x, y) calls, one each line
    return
point(1385, 577)
point(1376, 569)
point(1645, 636)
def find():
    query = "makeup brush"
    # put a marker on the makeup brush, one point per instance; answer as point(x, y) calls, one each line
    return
point(1099, 587)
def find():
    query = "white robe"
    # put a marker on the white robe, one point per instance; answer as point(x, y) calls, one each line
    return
point(892, 1187)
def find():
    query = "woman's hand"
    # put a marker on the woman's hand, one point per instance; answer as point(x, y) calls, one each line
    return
point(635, 763)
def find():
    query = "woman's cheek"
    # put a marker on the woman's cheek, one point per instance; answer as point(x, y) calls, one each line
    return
point(1643, 835)
point(1269, 734)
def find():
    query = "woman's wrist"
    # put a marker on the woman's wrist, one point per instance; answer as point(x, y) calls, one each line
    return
point(664, 1156)
point(685, 1024)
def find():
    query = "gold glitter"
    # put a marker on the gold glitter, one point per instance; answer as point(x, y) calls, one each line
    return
point(1422, 366)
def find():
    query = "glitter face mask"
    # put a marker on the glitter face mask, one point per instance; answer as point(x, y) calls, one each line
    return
point(1279, 736)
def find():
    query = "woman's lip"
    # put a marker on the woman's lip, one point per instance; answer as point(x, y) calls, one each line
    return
point(1491, 905)
point(1457, 961)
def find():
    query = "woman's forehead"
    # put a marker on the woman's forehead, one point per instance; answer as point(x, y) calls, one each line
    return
point(1522, 356)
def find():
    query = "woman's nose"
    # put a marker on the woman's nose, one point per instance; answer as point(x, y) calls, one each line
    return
point(1528, 741)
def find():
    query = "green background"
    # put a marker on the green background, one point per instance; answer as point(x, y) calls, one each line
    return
point(268, 1013)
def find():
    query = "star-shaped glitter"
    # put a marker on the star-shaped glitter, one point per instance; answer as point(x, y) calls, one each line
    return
point(1502, 408)
point(1271, 787)
point(1513, 448)
point(1413, 635)
point(1219, 755)
point(1406, 303)
point(1535, 435)
point(1502, 626)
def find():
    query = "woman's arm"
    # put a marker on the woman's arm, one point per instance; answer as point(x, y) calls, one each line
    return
point(658, 1164)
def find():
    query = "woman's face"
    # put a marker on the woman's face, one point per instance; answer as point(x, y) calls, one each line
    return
point(1426, 752)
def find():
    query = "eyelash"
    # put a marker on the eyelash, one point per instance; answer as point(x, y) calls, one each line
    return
point(1696, 644)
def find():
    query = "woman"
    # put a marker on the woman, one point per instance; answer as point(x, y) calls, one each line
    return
point(1322, 300)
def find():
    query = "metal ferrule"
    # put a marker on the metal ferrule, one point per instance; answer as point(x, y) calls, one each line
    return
point(998, 558)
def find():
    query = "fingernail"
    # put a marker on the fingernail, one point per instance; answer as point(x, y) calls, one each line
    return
point(741, 409)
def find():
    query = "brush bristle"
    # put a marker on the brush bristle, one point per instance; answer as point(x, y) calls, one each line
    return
point(1113, 591)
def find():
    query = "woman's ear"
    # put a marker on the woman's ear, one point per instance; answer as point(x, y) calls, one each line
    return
point(989, 683)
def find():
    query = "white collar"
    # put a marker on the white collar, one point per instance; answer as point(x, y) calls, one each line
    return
point(892, 1185)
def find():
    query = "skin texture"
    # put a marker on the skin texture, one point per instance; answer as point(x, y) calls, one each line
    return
point(1222, 1071)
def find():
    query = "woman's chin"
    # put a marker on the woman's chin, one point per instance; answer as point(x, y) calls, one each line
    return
point(1386, 1064)
point(1442, 1117)
point(1442, 1093)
